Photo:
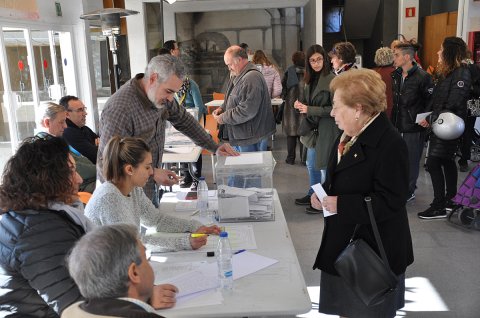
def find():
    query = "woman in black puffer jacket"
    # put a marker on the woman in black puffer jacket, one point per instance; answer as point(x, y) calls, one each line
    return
point(450, 95)
point(41, 221)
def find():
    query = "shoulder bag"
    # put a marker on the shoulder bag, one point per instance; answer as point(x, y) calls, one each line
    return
point(368, 275)
point(306, 125)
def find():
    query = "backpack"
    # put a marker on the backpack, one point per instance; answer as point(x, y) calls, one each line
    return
point(473, 104)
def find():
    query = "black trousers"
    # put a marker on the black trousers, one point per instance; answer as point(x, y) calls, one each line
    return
point(291, 148)
point(444, 177)
point(197, 170)
point(467, 136)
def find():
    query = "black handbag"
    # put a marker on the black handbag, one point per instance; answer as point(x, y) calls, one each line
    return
point(306, 125)
point(368, 275)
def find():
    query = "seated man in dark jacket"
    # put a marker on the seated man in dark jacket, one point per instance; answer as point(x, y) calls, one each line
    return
point(79, 136)
point(412, 91)
point(98, 263)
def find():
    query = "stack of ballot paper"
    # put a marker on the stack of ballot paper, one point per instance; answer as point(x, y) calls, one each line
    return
point(245, 204)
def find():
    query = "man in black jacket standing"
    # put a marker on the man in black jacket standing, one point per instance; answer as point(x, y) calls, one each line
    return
point(412, 91)
point(77, 134)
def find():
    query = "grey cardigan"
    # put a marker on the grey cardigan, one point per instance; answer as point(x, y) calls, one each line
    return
point(247, 111)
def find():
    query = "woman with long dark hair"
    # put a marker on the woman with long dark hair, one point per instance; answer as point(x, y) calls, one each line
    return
point(452, 90)
point(317, 105)
point(41, 219)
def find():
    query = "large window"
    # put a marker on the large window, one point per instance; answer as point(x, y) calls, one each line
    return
point(33, 64)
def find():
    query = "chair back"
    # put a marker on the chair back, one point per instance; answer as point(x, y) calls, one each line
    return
point(218, 96)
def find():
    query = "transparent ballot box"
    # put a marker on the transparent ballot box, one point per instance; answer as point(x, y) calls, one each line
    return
point(245, 187)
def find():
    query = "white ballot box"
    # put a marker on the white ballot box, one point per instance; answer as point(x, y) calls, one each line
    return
point(245, 187)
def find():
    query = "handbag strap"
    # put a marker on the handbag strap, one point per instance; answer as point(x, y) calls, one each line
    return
point(368, 200)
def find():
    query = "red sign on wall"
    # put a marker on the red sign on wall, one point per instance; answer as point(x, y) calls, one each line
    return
point(410, 12)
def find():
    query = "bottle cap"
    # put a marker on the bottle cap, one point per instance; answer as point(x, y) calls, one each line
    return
point(201, 178)
point(223, 234)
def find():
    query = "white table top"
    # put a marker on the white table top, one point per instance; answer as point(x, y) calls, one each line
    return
point(277, 290)
point(219, 102)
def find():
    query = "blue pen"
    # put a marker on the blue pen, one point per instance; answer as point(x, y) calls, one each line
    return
point(239, 251)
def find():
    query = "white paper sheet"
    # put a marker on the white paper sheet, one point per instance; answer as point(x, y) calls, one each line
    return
point(193, 282)
point(200, 299)
point(178, 149)
point(241, 237)
point(320, 192)
point(205, 276)
point(236, 207)
point(422, 116)
point(250, 158)
point(246, 263)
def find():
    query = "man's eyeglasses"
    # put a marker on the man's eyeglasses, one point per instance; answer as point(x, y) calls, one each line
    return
point(316, 61)
point(80, 110)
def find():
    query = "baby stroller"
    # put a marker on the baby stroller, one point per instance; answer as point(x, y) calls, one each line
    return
point(466, 209)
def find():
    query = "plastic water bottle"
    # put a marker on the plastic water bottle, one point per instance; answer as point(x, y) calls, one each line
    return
point(202, 197)
point(224, 262)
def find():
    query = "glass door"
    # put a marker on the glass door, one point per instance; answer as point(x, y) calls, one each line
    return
point(19, 95)
point(33, 64)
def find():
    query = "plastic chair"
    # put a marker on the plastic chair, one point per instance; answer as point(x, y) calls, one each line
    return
point(218, 96)
point(84, 197)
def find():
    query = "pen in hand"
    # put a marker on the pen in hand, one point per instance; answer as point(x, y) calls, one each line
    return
point(194, 235)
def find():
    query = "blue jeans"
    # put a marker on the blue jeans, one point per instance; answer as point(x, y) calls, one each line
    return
point(315, 175)
point(259, 146)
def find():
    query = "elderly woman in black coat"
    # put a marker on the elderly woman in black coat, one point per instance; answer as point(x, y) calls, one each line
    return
point(368, 159)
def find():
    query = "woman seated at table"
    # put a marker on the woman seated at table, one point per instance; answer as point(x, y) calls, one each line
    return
point(127, 167)
point(41, 219)
point(368, 159)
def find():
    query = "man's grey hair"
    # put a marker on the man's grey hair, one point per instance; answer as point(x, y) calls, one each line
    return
point(50, 110)
point(165, 66)
point(237, 52)
point(99, 261)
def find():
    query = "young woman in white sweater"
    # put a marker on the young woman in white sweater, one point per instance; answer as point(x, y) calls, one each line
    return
point(127, 164)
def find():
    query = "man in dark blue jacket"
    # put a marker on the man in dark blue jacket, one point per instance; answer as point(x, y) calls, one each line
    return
point(412, 91)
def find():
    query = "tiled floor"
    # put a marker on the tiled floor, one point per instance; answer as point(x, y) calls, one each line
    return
point(444, 280)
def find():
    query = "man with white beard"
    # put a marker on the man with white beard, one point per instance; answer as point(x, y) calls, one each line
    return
point(140, 109)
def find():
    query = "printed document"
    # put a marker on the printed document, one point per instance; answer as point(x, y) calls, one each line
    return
point(250, 158)
point(320, 192)
point(422, 116)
